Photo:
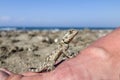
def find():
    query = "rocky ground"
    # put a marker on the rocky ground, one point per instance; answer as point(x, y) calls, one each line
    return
point(23, 50)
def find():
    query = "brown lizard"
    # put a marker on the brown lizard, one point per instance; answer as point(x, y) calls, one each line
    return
point(63, 46)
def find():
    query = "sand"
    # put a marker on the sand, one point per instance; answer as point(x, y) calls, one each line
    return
point(23, 50)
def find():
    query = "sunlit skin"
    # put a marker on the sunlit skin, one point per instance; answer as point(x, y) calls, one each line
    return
point(99, 61)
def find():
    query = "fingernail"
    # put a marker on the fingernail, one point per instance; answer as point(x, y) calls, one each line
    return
point(3, 75)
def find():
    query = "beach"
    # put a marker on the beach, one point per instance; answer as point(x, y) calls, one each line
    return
point(22, 50)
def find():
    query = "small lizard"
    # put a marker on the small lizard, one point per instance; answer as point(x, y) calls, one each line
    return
point(51, 59)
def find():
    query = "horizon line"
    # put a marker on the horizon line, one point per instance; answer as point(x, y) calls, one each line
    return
point(50, 28)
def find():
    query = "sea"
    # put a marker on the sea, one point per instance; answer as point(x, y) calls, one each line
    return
point(50, 28)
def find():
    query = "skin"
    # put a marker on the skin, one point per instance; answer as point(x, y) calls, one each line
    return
point(99, 61)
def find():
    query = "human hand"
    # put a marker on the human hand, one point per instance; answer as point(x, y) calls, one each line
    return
point(99, 61)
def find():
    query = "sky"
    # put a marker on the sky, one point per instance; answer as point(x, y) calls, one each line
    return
point(105, 13)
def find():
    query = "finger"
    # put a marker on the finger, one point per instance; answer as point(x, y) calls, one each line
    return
point(6, 71)
point(30, 73)
point(3, 75)
point(39, 76)
point(33, 73)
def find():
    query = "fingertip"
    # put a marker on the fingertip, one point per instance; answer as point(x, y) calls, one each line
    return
point(3, 75)
point(6, 71)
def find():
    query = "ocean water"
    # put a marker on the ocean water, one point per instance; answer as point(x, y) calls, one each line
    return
point(50, 28)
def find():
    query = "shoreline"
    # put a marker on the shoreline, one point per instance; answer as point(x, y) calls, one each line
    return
point(8, 28)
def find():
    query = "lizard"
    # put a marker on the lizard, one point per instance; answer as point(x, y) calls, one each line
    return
point(51, 59)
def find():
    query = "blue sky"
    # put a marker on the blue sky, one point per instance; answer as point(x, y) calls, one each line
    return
point(60, 13)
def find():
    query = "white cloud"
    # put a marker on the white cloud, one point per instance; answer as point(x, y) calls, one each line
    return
point(5, 18)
